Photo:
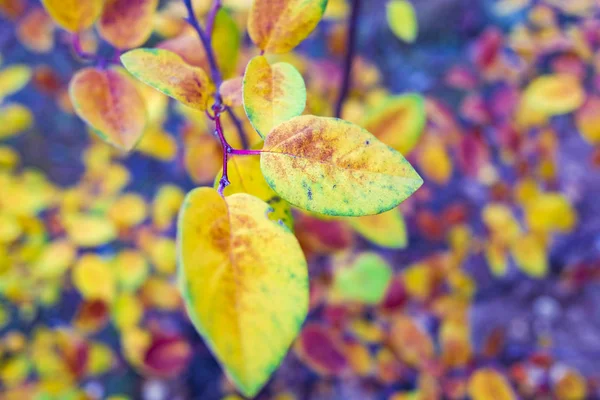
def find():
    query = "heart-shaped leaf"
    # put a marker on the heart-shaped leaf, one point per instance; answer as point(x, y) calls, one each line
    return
point(279, 26)
point(109, 102)
point(168, 73)
point(126, 24)
point(334, 167)
point(272, 94)
point(244, 281)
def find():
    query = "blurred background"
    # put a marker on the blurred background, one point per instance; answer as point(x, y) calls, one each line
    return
point(485, 284)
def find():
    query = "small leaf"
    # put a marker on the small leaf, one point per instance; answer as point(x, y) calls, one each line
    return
point(487, 384)
point(386, 229)
point(402, 20)
point(587, 119)
point(125, 23)
point(530, 255)
point(412, 344)
point(89, 230)
point(399, 122)
point(110, 103)
point(167, 72)
point(366, 280)
point(272, 94)
point(278, 27)
point(247, 300)
point(554, 94)
point(14, 119)
point(231, 92)
point(13, 79)
point(245, 176)
point(334, 167)
point(74, 15)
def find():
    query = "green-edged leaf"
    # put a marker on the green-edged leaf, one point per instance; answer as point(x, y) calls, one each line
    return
point(168, 73)
point(247, 299)
point(109, 102)
point(334, 167)
point(272, 94)
point(277, 26)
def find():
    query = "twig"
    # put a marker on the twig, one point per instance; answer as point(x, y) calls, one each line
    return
point(350, 49)
point(239, 127)
point(212, 14)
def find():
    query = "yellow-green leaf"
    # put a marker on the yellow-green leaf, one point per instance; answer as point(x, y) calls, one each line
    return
point(167, 72)
point(245, 176)
point(402, 20)
point(125, 23)
point(13, 79)
point(272, 94)
point(398, 122)
point(386, 229)
point(111, 104)
point(334, 167)
point(277, 26)
point(247, 299)
point(74, 15)
point(554, 94)
point(14, 119)
point(365, 280)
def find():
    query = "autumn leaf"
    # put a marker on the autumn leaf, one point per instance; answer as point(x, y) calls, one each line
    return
point(13, 79)
point(334, 167)
point(402, 20)
point(554, 94)
point(231, 92)
point(14, 119)
point(126, 24)
point(110, 103)
point(486, 384)
point(74, 15)
point(398, 122)
point(386, 229)
point(272, 94)
point(364, 280)
point(279, 26)
point(245, 176)
point(168, 73)
point(246, 299)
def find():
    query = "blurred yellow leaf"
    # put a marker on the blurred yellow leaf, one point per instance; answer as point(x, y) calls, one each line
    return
point(402, 20)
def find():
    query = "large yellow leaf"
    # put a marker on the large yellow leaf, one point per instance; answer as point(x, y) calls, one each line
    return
point(246, 296)
point(111, 104)
point(74, 15)
point(125, 23)
point(245, 176)
point(402, 20)
point(398, 122)
point(334, 167)
point(277, 26)
point(386, 229)
point(167, 72)
point(272, 94)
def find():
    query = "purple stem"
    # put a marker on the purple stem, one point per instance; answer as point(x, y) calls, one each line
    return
point(210, 22)
point(350, 49)
point(224, 182)
point(235, 152)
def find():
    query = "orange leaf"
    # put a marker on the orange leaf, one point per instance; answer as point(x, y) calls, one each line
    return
point(127, 23)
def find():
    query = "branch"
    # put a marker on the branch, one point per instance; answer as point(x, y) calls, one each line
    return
point(350, 49)
point(212, 14)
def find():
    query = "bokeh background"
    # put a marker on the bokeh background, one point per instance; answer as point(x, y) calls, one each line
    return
point(494, 295)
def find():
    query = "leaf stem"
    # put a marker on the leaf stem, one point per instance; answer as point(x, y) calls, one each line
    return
point(218, 107)
point(350, 50)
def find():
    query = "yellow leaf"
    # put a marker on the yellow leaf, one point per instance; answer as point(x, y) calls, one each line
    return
point(486, 384)
point(166, 204)
point(279, 26)
point(168, 73)
point(334, 167)
point(128, 210)
point(587, 119)
point(127, 24)
point(418, 281)
point(9, 158)
point(496, 256)
point(248, 300)
point(398, 122)
point(55, 259)
point(13, 79)
point(550, 212)
point(127, 311)
point(14, 119)
point(94, 279)
point(272, 94)
point(89, 230)
point(555, 94)
point(158, 144)
point(131, 269)
point(110, 103)
point(14, 371)
point(245, 176)
point(386, 229)
point(434, 161)
point(410, 341)
point(402, 20)
point(530, 255)
point(163, 255)
point(100, 359)
point(74, 15)
point(570, 384)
